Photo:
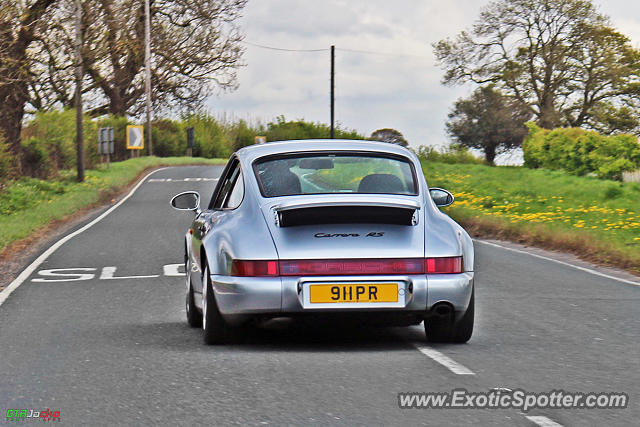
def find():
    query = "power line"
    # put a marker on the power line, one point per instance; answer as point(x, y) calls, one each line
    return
point(370, 52)
point(366, 52)
point(283, 49)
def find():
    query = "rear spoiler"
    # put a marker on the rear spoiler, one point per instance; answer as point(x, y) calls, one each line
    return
point(347, 210)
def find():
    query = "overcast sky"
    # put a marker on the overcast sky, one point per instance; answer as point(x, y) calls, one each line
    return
point(372, 90)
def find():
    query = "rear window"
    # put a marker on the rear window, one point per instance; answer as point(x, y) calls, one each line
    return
point(327, 173)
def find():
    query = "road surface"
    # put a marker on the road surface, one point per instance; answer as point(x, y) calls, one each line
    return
point(107, 342)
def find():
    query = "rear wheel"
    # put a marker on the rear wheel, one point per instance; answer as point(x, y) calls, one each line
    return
point(213, 325)
point(446, 329)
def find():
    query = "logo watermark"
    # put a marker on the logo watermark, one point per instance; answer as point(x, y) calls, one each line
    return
point(30, 414)
point(508, 399)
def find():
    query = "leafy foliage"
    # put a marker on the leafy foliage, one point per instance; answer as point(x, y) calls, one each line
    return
point(452, 154)
point(560, 57)
point(581, 152)
point(391, 136)
point(282, 130)
point(49, 143)
point(489, 122)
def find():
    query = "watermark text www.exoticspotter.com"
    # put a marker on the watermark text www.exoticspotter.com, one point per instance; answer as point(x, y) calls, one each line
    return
point(518, 399)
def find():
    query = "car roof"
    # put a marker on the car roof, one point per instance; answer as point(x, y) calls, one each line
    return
point(252, 152)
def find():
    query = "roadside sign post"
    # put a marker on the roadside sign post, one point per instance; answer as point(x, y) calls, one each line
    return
point(106, 143)
point(190, 141)
point(135, 138)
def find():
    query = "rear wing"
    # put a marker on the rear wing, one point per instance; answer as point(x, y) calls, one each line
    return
point(352, 209)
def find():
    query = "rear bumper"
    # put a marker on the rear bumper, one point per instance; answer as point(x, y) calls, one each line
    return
point(238, 296)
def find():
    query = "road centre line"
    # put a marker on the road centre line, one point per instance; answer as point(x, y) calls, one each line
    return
point(4, 294)
point(587, 270)
point(543, 421)
point(445, 361)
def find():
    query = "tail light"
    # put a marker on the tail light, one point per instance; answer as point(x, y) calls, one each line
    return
point(254, 268)
point(447, 265)
point(346, 267)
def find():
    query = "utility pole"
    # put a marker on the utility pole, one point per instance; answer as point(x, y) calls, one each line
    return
point(333, 78)
point(78, 94)
point(147, 70)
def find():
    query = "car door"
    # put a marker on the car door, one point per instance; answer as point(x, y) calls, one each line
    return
point(225, 195)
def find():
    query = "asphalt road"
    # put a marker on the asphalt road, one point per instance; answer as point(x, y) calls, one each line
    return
point(112, 347)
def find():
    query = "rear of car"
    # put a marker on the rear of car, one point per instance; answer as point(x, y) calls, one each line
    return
point(339, 228)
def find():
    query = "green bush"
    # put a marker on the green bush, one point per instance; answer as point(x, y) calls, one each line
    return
point(169, 138)
point(581, 152)
point(211, 140)
point(35, 159)
point(282, 130)
point(454, 153)
point(242, 135)
point(49, 142)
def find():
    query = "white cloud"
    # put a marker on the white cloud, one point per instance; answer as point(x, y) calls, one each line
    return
point(372, 91)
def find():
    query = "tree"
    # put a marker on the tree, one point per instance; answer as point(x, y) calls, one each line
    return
point(195, 47)
point(389, 135)
point(561, 58)
point(21, 23)
point(488, 121)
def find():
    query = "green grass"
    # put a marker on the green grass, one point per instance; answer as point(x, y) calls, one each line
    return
point(597, 219)
point(28, 205)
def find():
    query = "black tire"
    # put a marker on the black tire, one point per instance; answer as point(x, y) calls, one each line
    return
point(438, 329)
point(213, 325)
point(445, 329)
point(464, 326)
point(194, 317)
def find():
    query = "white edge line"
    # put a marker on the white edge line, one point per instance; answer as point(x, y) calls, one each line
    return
point(4, 294)
point(587, 270)
point(543, 421)
point(445, 361)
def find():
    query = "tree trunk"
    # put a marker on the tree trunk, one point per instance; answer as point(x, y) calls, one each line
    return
point(548, 118)
point(13, 97)
point(490, 155)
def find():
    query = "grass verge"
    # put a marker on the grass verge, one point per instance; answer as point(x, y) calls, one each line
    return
point(31, 206)
point(597, 220)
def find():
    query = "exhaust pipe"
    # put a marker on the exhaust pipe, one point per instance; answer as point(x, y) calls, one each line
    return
point(442, 309)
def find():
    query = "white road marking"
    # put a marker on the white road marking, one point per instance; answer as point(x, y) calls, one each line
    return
point(70, 276)
point(445, 361)
point(543, 421)
point(108, 274)
point(4, 294)
point(173, 270)
point(577, 267)
point(181, 179)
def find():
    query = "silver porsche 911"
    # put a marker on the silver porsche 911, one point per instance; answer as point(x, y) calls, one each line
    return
point(327, 228)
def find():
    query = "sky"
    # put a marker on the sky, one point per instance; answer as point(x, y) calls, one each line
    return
point(397, 87)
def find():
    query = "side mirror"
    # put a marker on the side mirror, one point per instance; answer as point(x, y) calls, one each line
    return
point(441, 197)
point(187, 201)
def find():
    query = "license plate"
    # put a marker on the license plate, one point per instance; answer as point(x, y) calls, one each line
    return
point(353, 293)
